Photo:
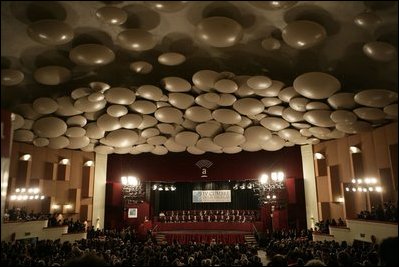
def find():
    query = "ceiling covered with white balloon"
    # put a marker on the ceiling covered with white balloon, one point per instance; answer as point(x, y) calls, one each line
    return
point(221, 77)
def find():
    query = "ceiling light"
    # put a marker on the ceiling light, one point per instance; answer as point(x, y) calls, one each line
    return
point(354, 149)
point(26, 157)
point(89, 163)
point(64, 162)
point(318, 156)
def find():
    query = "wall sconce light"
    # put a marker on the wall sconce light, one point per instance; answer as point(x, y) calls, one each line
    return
point(68, 206)
point(22, 194)
point(55, 207)
point(354, 149)
point(64, 162)
point(26, 157)
point(319, 156)
point(364, 185)
point(89, 163)
point(163, 187)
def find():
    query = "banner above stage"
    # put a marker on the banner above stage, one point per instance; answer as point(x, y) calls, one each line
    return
point(211, 196)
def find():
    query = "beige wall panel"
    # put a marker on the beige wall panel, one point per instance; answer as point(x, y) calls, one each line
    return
point(391, 131)
point(336, 211)
point(380, 148)
point(369, 157)
point(323, 189)
point(332, 153)
point(344, 160)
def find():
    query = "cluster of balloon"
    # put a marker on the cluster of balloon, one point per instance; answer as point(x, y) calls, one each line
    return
point(227, 114)
point(303, 34)
point(219, 31)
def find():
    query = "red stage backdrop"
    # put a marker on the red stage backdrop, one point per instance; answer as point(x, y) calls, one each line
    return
point(184, 167)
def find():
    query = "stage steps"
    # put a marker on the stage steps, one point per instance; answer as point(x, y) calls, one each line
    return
point(160, 238)
point(250, 239)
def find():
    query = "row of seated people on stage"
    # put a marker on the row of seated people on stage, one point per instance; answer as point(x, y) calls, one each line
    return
point(208, 216)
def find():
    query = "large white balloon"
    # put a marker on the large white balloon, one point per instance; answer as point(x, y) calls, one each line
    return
point(93, 116)
point(91, 55)
point(150, 92)
point(271, 101)
point(198, 114)
point(189, 124)
point(143, 106)
point(166, 128)
point(229, 139)
point(319, 118)
point(342, 101)
point(75, 132)
point(122, 138)
point(232, 149)
point(226, 100)
point(117, 110)
point(208, 129)
point(226, 116)
point(83, 104)
point(317, 105)
point(370, 114)
point(100, 87)
point(156, 140)
point(243, 88)
point(259, 82)
point(58, 142)
point(287, 94)
point(226, 86)
point(249, 106)
point(291, 115)
point(367, 20)
point(186, 138)
point(277, 110)
point(52, 75)
point(289, 134)
point(167, 6)
point(120, 95)
point(219, 31)
point(50, 32)
point(171, 59)
point(40, 142)
point(380, 51)
point(181, 100)
point(108, 123)
point(273, 144)
point(376, 98)
point(205, 79)
point(23, 135)
point(10, 77)
point(201, 100)
point(176, 84)
point(44, 105)
point(303, 34)
point(148, 121)
point(17, 121)
point(271, 91)
point(81, 92)
point(95, 97)
point(273, 5)
point(49, 127)
point(274, 124)
point(169, 115)
point(354, 127)
point(316, 85)
point(299, 103)
point(343, 116)
point(391, 110)
point(27, 111)
point(159, 150)
point(104, 149)
point(257, 134)
point(141, 67)
point(93, 131)
point(136, 40)
point(172, 146)
point(112, 15)
point(206, 144)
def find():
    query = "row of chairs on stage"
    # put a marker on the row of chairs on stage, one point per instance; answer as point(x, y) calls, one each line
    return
point(208, 216)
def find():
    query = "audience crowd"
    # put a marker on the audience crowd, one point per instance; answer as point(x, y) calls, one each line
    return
point(386, 212)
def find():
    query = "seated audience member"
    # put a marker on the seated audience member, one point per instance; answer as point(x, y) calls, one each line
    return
point(389, 252)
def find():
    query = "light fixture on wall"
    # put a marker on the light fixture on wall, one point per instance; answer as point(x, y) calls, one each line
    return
point(132, 189)
point(268, 188)
point(163, 187)
point(26, 157)
point(26, 194)
point(89, 163)
point(364, 185)
point(354, 149)
point(318, 155)
point(65, 162)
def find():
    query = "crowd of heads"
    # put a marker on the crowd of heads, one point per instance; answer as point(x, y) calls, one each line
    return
point(386, 212)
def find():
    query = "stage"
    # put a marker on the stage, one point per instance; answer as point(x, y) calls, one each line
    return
point(229, 233)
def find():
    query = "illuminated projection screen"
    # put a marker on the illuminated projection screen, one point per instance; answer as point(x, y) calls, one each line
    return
point(211, 196)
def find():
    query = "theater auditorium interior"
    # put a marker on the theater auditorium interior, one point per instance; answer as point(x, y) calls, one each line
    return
point(199, 133)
